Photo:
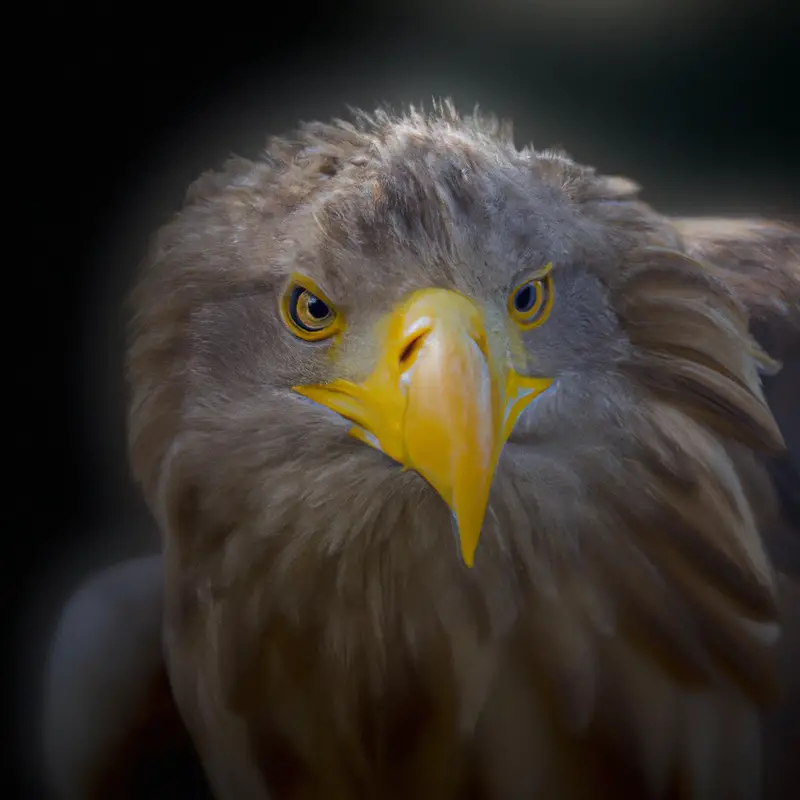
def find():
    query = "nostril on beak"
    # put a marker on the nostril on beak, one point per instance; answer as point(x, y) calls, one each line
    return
point(411, 348)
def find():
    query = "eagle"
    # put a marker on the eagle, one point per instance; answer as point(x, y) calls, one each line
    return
point(463, 470)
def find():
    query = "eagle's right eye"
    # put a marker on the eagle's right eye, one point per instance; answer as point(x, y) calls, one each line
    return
point(307, 312)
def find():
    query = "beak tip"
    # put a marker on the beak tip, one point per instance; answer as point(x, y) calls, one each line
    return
point(468, 549)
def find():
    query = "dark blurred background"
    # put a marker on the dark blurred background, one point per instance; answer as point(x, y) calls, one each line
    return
point(122, 105)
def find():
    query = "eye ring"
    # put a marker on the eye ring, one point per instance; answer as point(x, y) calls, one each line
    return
point(307, 312)
point(530, 303)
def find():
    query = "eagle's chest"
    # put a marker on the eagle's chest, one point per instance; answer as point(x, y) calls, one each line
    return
point(381, 699)
point(387, 722)
point(371, 680)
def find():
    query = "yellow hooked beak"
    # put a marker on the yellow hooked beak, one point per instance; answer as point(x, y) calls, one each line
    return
point(438, 402)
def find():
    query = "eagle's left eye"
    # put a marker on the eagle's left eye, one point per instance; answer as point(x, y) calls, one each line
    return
point(307, 312)
point(530, 303)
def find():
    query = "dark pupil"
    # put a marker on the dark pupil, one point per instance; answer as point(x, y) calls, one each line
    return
point(524, 299)
point(317, 308)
